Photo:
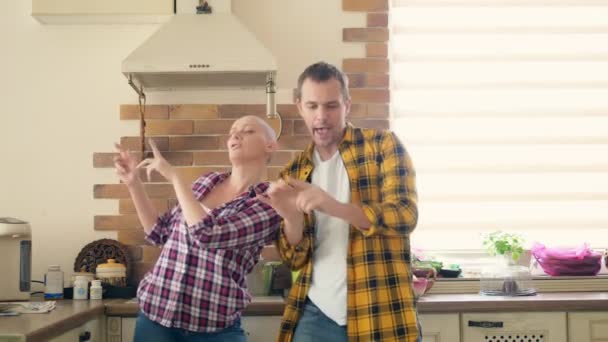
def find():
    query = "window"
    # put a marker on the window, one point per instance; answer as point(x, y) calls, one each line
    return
point(503, 106)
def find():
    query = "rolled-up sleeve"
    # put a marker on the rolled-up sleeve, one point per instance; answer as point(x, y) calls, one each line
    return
point(295, 257)
point(397, 211)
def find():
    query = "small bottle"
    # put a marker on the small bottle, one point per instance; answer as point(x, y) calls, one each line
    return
point(81, 287)
point(53, 283)
point(96, 289)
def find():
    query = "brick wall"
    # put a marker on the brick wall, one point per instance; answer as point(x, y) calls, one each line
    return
point(192, 137)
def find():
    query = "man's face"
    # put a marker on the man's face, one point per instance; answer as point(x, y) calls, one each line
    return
point(324, 111)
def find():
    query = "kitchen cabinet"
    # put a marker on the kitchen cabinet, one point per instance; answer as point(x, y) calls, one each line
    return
point(257, 328)
point(98, 12)
point(261, 328)
point(120, 329)
point(440, 327)
point(93, 329)
point(128, 329)
point(515, 327)
point(588, 326)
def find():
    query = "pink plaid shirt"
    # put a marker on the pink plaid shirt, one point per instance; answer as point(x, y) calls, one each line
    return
point(198, 282)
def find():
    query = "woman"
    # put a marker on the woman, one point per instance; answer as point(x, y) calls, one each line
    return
point(211, 239)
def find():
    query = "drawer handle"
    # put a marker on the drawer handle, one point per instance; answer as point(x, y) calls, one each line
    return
point(84, 337)
point(485, 324)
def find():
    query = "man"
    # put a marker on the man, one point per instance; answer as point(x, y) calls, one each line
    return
point(211, 240)
point(349, 205)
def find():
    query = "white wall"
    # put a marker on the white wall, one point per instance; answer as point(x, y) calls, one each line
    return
point(60, 93)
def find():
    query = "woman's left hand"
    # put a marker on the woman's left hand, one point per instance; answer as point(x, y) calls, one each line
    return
point(158, 163)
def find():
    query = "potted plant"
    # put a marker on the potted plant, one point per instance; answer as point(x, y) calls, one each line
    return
point(510, 247)
point(506, 244)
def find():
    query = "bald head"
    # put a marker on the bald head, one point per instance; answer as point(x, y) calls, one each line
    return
point(269, 132)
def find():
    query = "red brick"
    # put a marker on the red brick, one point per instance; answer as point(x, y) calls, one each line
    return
point(368, 80)
point(136, 252)
point(368, 34)
point(376, 50)
point(116, 222)
point(117, 191)
point(358, 110)
point(217, 158)
point(368, 95)
point(193, 111)
point(288, 111)
point(231, 111)
point(365, 5)
point(299, 128)
point(377, 80)
point(150, 253)
point(293, 142)
point(365, 65)
point(187, 174)
point(212, 126)
point(377, 124)
point(131, 237)
point(133, 143)
point(280, 158)
point(126, 206)
point(194, 143)
point(131, 112)
point(356, 80)
point(379, 19)
point(378, 110)
point(169, 127)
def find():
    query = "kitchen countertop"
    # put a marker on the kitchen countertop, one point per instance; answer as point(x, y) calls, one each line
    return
point(439, 303)
point(67, 315)
point(70, 314)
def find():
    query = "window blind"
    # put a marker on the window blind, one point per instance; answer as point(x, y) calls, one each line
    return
point(503, 106)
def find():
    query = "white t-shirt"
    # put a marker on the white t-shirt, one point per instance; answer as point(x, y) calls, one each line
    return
point(328, 286)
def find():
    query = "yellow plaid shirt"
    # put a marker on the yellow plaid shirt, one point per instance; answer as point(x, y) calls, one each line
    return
point(379, 296)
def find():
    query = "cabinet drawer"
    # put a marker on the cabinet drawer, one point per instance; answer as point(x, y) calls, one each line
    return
point(514, 327)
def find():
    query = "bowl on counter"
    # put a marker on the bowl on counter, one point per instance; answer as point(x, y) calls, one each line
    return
point(423, 280)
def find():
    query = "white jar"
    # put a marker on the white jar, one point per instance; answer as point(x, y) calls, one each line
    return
point(53, 283)
point(81, 287)
point(96, 289)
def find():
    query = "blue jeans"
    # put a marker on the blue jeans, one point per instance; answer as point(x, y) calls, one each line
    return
point(315, 326)
point(147, 330)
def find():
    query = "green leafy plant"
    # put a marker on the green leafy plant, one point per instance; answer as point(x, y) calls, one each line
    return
point(501, 243)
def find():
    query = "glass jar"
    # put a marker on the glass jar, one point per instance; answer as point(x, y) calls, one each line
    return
point(505, 278)
point(112, 273)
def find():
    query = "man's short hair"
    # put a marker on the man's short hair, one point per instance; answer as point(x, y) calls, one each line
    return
point(321, 72)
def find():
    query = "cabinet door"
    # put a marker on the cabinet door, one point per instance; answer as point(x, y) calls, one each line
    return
point(588, 326)
point(76, 7)
point(261, 328)
point(128, 329)
point(102, 11)
point(514, 327)
point(94, 329)
point(440, 327)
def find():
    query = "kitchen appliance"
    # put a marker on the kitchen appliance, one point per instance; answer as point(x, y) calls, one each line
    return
point(16, 261)
point(277, 278)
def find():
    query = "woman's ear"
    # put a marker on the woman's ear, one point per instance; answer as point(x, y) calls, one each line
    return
point(271, 145)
